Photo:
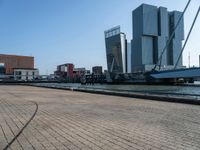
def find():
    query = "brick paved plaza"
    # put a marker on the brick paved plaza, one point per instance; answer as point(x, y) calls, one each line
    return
point(68, 120)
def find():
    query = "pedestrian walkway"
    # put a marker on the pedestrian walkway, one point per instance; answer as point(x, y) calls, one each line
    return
point(68, 120)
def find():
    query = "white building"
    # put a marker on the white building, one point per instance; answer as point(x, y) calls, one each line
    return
point(26, 74)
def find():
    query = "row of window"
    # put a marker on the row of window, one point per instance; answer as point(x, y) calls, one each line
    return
point(111, 33)
point(20, 73)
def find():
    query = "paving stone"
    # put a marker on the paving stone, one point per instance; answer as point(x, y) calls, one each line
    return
point(68, 120)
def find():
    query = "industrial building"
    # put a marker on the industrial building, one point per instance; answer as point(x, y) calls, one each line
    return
point(9, 62)
point(152, 28)
point(116, 50)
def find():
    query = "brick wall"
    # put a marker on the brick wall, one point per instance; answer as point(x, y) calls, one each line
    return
point(13, 61)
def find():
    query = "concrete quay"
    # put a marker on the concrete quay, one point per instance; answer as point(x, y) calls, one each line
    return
point(71, 120)
point(167, 97)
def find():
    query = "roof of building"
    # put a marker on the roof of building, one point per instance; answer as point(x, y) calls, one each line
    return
point(65, 64)
point(25, 69)
point(9, 55)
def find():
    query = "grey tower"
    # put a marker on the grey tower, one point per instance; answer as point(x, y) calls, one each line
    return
point(152, 27)
point(116, 50)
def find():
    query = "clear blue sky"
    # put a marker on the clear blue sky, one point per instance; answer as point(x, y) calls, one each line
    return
point(62, 31)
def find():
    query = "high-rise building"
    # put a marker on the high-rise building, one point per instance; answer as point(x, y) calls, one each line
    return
point(116, 50)
point(152, 28)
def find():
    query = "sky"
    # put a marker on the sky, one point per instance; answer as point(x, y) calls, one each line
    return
point(72, 31)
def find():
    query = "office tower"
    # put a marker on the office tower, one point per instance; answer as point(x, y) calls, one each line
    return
point(116, 50)
point(152, 28)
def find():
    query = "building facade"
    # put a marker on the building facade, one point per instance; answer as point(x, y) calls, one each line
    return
point(79, 71)
point(13, 61)
point(69, 73)
point(116, 50)
point(25, 74)
point(2, 69)
point(97, 70)
point(152, 28)
point(65, 71)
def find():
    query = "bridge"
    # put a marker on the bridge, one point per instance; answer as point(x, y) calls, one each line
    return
point(188, 73)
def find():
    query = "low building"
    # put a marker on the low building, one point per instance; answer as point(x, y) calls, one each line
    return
point(65, 71)
point(25, 74)
point(97, 70)
point(87, 72)
point(79, 71)
point(13, 61)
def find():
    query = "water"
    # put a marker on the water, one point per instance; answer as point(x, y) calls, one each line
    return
point(193, 91)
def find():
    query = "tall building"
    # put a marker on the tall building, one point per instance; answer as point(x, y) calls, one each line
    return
point(116, 50)
point(13, 61)
point(152, 28)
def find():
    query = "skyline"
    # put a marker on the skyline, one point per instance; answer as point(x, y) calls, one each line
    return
point(57, 32)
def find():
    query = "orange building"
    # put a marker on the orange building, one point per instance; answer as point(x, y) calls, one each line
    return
point(13, 61)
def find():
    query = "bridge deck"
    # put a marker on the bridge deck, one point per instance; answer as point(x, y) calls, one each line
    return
point(179, 73)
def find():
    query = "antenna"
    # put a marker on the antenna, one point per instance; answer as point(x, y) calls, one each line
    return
point(170, 38)
point(187, 38)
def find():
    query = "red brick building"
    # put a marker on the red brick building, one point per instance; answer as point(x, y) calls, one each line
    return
point(13, 61)
point(65, 70)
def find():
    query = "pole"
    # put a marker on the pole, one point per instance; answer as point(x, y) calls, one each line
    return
point(187, 38)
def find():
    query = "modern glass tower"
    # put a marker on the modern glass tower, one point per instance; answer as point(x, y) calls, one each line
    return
point(152, 27)
point(116, 50)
